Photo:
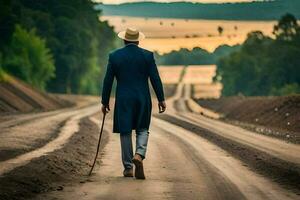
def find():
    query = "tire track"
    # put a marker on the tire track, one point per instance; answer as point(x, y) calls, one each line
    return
point(251, 185)
point(71, 127)
point(283, 172)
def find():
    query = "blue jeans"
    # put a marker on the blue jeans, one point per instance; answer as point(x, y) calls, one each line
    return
point(126, 146)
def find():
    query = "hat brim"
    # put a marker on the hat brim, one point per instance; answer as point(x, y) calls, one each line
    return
point(123, 33)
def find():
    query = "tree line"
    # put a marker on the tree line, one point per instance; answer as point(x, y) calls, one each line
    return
point(58, 46)
point(264, 65)
point(253, 10)
point(195, 56)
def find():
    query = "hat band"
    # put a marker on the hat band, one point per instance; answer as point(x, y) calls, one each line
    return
point(131, 36)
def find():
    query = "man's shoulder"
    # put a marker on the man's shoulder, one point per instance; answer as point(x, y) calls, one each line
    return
point(116, 51)
point(121, 51)
point(146, 51)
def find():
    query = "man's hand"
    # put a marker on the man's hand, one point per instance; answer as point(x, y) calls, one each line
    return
point(105, 109)
point(162, 106)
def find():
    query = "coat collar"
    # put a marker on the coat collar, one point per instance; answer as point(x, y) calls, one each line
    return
point(131, 44)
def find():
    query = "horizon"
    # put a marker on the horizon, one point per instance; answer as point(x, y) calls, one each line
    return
point(116, 2)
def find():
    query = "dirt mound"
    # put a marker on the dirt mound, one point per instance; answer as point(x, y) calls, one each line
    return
point(276, 112)
point(57, 169)
point(16, 96)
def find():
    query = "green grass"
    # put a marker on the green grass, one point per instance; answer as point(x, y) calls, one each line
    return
point(3, 76)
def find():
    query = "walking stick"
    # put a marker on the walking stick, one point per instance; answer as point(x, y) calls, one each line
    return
point(98, 146)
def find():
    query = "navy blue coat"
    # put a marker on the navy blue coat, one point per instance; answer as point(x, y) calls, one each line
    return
point(132, 67)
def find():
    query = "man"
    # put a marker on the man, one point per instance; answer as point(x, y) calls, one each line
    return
point(132, 66)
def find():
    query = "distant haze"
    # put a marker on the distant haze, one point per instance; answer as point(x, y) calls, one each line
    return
point(200, 1)
point(263, 10)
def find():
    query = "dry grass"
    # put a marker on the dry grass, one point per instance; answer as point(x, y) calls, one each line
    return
point(201, 78)
point(200, 74)
point(165, 35)
point(207, 91)
point(170, 74)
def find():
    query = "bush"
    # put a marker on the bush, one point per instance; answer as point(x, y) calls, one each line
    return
point(29, 59)
point(287, 89)
point(78, 40)
point(264, 66)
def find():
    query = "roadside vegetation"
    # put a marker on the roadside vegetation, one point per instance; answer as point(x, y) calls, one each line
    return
point(196, 56)
point(29, 59)
point(57, 46)
point(263, 65)
point(2, 75)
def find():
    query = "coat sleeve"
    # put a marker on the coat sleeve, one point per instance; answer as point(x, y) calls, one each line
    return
point(155, 80)
point(107, 82)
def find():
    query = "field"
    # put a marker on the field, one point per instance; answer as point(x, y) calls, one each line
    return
point(205, 91)
point(164, 35)
point(199, 76)
point(170, 74)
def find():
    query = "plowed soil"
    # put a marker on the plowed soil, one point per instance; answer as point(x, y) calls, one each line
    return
point(17, 96)
point(277, 113)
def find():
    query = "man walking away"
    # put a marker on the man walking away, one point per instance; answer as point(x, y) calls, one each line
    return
point(132, 66)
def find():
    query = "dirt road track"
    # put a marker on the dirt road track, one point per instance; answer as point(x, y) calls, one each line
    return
point(179, 165)
point(14, 139)
point(276, 147)
point(272, 157)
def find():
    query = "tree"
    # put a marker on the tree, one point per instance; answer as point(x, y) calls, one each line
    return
point(6, 22)
point(78, 41)
point(196, 56)
point(29, 59)
point(264, 66)
point(220, 30)
point(287, 89)
point(287, 28)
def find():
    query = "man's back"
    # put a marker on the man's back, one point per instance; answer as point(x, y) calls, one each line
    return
point(132, 67)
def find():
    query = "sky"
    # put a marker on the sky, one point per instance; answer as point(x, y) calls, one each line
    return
point(202, 1)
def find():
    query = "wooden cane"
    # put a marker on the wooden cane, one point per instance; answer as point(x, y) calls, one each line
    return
point(98, 146)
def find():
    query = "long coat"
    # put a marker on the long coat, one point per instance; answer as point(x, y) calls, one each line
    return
point(132, 67)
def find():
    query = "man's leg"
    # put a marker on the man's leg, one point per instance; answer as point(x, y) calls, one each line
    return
point(140, 152)
point(127, 153)
point(141, 142)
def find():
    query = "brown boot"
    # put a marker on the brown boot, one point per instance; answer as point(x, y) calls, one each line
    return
point(128, 172)
point(139, 169)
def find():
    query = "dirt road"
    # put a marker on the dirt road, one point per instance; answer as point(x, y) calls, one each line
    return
point(189, 157)
point(180, 165)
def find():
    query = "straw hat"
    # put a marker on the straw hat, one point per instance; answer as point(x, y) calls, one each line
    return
point(131, 34)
